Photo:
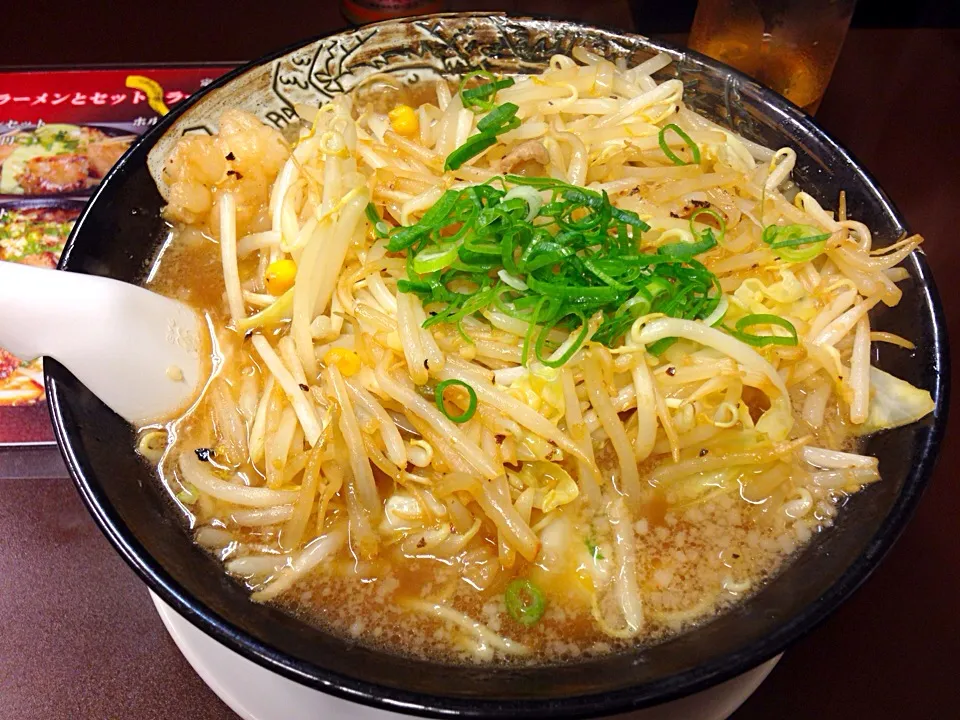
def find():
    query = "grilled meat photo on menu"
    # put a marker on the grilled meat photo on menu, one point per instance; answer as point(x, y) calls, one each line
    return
point(57, 159)
point(32, 232)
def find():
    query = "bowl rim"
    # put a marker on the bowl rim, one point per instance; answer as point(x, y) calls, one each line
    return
point(392, 699)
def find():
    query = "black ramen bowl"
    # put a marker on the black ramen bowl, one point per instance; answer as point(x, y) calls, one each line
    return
point(121, 234)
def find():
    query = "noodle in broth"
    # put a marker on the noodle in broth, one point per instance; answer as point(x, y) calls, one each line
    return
point(525, 370)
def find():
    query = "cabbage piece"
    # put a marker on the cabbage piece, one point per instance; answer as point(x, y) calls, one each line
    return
point(776, 422)
point(788, 290)
point(893, 403)
point(786, 297)
point(542, 390)
point(533, 447)
point(552, 485)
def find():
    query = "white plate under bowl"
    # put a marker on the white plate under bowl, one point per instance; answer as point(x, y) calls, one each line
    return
point(255, 693)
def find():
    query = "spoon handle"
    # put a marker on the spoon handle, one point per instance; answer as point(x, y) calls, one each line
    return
point(39, 305)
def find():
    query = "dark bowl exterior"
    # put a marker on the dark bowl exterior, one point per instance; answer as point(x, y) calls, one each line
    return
point(120, 235)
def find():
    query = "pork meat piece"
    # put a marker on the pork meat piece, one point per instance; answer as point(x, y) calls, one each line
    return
point(103, 155)
point(50, 174)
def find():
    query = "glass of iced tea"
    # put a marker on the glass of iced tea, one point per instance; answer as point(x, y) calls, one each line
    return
point(789, 45)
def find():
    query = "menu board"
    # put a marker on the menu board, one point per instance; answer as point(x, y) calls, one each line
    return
point(60, 133)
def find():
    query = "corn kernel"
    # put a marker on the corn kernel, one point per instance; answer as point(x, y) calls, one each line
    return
point(404, 121)
point(346, 361)
point(280, 276)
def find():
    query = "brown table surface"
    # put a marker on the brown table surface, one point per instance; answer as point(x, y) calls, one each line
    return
point(79, 637)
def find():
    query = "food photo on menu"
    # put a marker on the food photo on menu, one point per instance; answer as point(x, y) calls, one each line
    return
point(58, 158)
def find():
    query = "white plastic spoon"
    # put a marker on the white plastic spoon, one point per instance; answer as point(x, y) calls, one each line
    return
point(144, 355)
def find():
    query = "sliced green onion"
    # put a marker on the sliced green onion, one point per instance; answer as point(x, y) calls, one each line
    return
point(433, 259)
point(638, 305)
point(568, 353)
point(595, 268)
point(674, 158)
point(380, 228)
point(629, 217)
point(749, 321)
point(784, 238)
point(487, 90)
point(777, 236)
point(471, 407)
point(799, 241)
point(531, 326)
point(481, 97)
point(463, 333)
point(529, 196)
point(498, 118)
point(479, 100)
point(403, 237)
point(413, 286)
point(473, 146)
point(706, 242)
point(545, 261)
point(769, 233)
point(572, 293)
point(721, 221)
point(591, 197)
point(525, 602)
point(372, 215)
point(718, 313)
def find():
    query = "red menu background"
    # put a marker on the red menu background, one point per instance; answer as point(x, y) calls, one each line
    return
point(95, 95)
